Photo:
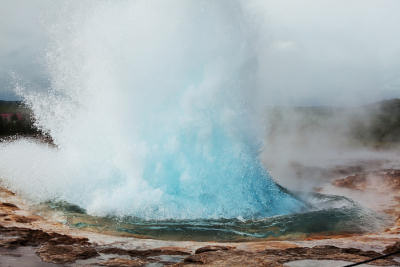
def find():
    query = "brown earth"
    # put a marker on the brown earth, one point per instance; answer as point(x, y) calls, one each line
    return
point(56, 243)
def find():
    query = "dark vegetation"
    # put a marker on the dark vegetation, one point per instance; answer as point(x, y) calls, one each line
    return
point(16, 119)
point(374, 125)
point(382, 126)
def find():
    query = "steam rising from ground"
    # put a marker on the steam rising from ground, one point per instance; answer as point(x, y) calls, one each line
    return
point(310, 146)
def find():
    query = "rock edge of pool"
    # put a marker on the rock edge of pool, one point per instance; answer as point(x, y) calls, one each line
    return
point(28, 238)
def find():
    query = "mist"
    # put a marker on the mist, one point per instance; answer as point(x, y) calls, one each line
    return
point(307, 147)
point(309, 53)
point(335, 59)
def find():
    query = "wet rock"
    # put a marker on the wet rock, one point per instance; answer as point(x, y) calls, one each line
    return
point(144, 253)
point(355, 251)
point(211, 248)
point(67, 240)
point(15, 237)
point(22, 219)
point(278, 257)
point(22, 237)
point(230, 258)
point(118, 262)
point(6, 191)
point(54, 247)
point(65, 253)
point(393, 248)
point(9, 206)
point(9, 242)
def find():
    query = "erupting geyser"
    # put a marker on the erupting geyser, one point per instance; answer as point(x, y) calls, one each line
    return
point(151, 112)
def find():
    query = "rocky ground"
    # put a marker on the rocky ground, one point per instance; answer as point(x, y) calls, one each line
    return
point(27, 239)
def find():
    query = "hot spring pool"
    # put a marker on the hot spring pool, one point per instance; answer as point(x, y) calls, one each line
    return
point(336, 215)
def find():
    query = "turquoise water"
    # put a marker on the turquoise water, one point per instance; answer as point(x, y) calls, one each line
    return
point(157, 120)
point(349, 218)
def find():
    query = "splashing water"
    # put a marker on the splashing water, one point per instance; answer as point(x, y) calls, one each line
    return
point(150, 111)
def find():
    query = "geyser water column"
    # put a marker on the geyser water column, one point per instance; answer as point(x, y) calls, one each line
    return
point(150, 111)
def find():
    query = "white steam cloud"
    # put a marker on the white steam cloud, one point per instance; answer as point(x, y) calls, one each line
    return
point(309, 52)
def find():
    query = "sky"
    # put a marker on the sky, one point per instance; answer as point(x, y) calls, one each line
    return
point(311, 52)
point(332, 51)
point(22, 44)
